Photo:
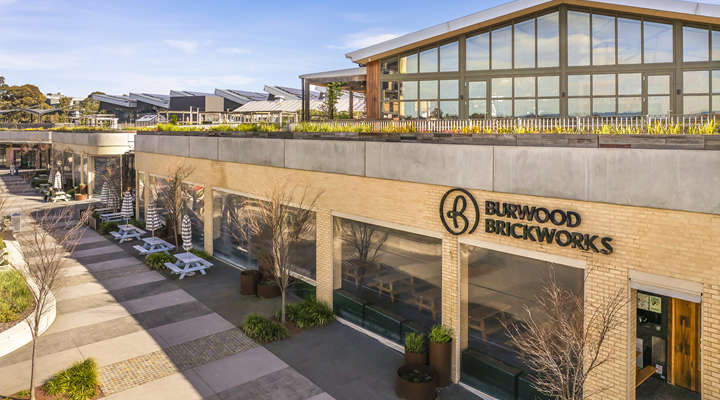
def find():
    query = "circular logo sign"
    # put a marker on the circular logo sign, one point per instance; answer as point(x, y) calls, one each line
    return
point(455, 220)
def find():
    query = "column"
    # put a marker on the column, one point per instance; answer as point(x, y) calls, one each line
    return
point(325, 275)
point(350, 105)
point(91, 176)
point(451, 297)
point(208, 218)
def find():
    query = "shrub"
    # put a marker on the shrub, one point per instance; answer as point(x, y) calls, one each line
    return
point(107, 227)
point(157, 261)
point(263, 330)
point(416, 343)
point(13, 285)
point(440, 334)
point(308, 313)
point(137, 223)
point(38, 182)
point(201, 253)
point(71, 192)
point(78, 382)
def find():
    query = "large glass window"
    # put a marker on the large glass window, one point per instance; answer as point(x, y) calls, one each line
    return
point(477, 52)
point(195, 208)
point(695, 44)
point(429, 60)
point(524, 38)
point(578, 38)
point(696, 87)
point(409, 64)
point(502, 48)
point(390, 66)
point(499, 288)
point(603, 39)
point(548, 40)
point(230, 216)
point(502, 97)
point(477, 103)
point(389, 91)
point(409, 90)
point(658, 94)
point(658, 42)
point(629, 41)
point(715, 45)
point(140, 196)
point(396, 271)
point(449, 57)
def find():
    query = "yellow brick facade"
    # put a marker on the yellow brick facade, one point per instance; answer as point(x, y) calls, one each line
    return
point(670, 243)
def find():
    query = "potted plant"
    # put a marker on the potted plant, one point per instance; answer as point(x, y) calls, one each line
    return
point(249, 279)
point(441, 353)
point(416, 382)
point(416, 348)
point(268, 289)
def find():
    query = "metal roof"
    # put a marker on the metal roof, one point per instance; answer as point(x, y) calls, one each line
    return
point(158, 100)
point(187, 93)
point(240, 96)
point(289, 93)
point(662, 8)
point(336, 74)
point(295, 105)
point(124, 101)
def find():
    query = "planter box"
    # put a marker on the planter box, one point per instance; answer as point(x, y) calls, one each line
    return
point(489, 375)
point(81, 197)
point(440, 358)
point(383, 322)
point(348, 306)
point(527, 392)
point(303, 289)
point(680, 142)
point(414, 358)
point(416, 391)
point(268, 291)
point(248, 281)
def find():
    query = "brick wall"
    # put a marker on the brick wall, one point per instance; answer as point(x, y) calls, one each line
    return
point(676, 244)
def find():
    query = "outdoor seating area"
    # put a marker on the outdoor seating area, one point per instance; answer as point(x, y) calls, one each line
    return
point(153, 245)
point(127, 232)
point(188, 264)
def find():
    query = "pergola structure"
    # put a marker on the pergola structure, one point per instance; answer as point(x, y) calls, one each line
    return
point(352, 80)
point(31, 110)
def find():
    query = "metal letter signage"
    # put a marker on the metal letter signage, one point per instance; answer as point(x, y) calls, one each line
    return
point(455, 213)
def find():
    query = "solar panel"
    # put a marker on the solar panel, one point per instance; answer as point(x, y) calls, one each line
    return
point(250, 95)
point(158, 96)
point(297, 92)
point(199, 93)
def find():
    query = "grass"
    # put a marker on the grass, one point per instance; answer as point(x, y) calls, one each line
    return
point(157, 261)
point(308, 313)
point(78, 382)
point(13, 286)
point(263, 330)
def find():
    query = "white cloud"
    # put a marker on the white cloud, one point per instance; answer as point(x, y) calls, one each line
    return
point(184, 45)
point(364, 39)
point(233, 50)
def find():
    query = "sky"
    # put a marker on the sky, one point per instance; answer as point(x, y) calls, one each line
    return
point(117, 47)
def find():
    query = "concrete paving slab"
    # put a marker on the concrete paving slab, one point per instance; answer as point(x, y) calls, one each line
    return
point(110, 248)
point(85, 303)
point(168, 315)
point(121, 348)
point(92, 238)
point(184, 385)
point(105, 330)
point(94, 259)
point(73, 292)
point(114, 263)
point(286, 384)
point(367, 387)
point(89, 317)
point(75, 270)
point(240, 368)
point(46, 344)
point(194, 328)
point(132, 280)
point(144, 290)
point(92, 245)
point(161, 300)
point(17, 377)
point(322, 396)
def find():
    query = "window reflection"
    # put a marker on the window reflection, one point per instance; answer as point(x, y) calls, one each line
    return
point(389, 67)
point(477, 50)
point(579, 85)
point(389, 91)
point(408, 90)
point(524, 38)
point(629, 106)
point(429, 90)
point(658, 84)
point(449, 57)
point(477, 90)
point(695, 44)
point(389, 110)
point(525, 86)
point(449, 89)
point(603, 85)
point(696, 105)
point(429, 60)
point(548, 37)
point(629, 41)
point(696, 82)
point(716, 81)
point(477, 109)
point(408, 110)
point(429, 110)
point(629, 84)
point(603, 39)
point(548, 107)
point(502, 108)
point(524, 108)
point(548, 86)
point(715, 46)
point(578, 38)
point(604, 106)
point(716, 104)
point(502, 48)
point(449, 110)
point(658, 42)
point(501, 87)
point(579, 107)
point(658, 105)
point(409, 64)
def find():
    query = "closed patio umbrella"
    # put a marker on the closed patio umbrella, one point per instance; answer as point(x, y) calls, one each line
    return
point(186, 233)
point(57, 183)
point(152, 221)
point(127, 210)
point(104, 194)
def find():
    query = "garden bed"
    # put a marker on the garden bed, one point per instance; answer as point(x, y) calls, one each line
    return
point(11, 281)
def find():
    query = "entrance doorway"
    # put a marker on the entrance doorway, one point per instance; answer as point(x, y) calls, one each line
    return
point(667, 347)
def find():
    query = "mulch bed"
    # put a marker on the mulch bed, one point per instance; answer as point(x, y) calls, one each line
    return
point(21, 318)
point(291, 327)
point(41, 395)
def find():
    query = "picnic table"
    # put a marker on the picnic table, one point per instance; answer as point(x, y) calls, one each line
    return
point(153, 245)
point(105, 210)
point(187, 264)
point(60, 196)
point(128, 232)
point(427, 299)
point(394, 283)
point(357, 269)
point(114, 216)
point(478, 315)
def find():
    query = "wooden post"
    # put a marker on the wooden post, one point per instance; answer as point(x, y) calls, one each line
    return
point(350, 105)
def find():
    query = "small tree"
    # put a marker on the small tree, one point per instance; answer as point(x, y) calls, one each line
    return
point(567, 349)
point(332, 94)
point(45, 251)
point(175, 193)
point(287, 214)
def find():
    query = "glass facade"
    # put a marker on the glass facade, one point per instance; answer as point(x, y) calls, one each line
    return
point(701, 89)
point(438, 99)
point(195, 208)
point(234, 242)
point(401, 272)
point(140, 196)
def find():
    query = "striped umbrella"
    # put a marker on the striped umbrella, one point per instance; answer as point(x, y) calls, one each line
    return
point(186, 233)
point(152, 221)
point(104, 194)
point(57, 184)
point(127, 210)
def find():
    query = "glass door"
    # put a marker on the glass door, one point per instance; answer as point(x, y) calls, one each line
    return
point(658, 94)
point(476, 92)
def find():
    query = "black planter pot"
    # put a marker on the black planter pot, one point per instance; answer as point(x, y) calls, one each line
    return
point(267, 291)
point(413, 358)
point(248, 282)
point(440, 360)
point(416, 391)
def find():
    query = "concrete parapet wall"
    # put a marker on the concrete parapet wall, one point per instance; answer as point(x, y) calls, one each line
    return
point(685, 180)
point(25, 136)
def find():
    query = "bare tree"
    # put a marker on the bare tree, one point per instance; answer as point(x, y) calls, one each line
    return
point(363, 237)
point(175, 193)
point(567, 340)
point(45, 250)
point(286, 215)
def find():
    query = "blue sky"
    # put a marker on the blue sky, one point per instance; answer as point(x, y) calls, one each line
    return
point(118, 47)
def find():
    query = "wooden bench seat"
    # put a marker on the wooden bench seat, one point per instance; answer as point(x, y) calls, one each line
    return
point(641, 375)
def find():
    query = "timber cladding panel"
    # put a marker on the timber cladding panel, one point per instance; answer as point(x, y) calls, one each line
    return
point(373, 90)
point(676, 244)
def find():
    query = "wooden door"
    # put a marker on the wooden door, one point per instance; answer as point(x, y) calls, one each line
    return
point(685, 368)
